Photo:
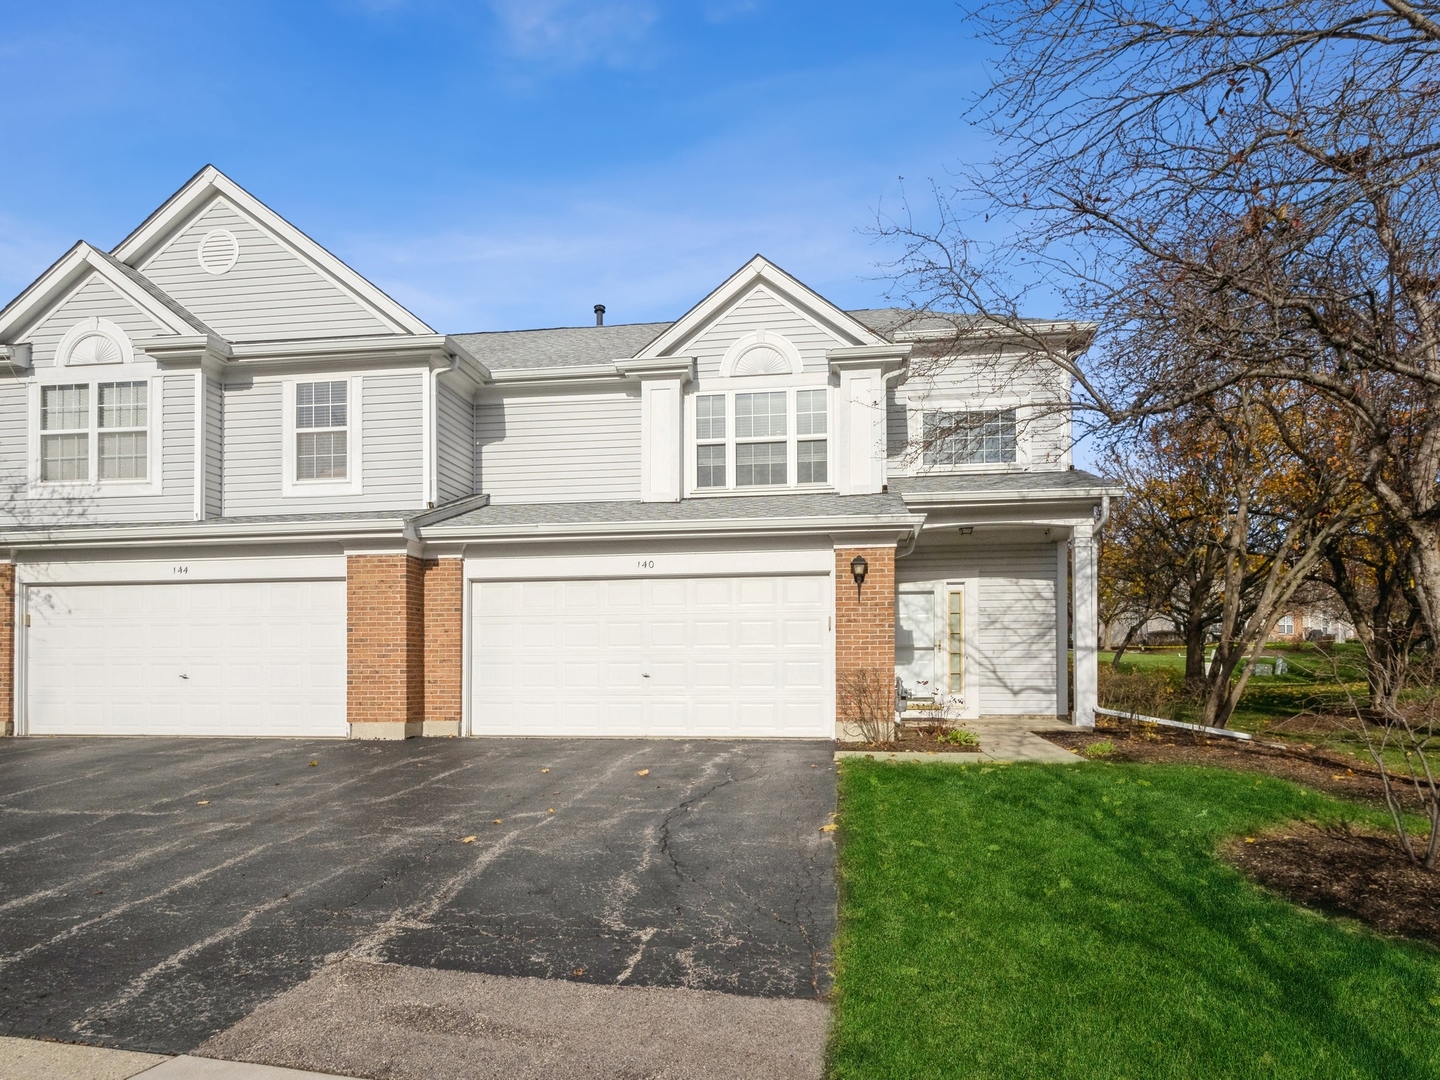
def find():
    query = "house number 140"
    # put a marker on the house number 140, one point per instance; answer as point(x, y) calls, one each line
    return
point(645, 564)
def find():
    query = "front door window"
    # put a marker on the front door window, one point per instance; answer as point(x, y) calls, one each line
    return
point(955, 625)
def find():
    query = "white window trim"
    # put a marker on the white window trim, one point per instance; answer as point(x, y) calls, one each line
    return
point(92, 377)
point(752, 385)
point(353, 484)
point(916, 409)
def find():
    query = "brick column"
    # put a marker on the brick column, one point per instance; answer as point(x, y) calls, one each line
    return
point(864, 620)
point(7, 648)
point(386, 646)
point(444, 590)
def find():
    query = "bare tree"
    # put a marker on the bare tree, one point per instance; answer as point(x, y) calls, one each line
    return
point(1280, 157)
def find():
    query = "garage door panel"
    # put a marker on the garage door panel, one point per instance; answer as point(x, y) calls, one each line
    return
point(202, 658)
point(723, 656)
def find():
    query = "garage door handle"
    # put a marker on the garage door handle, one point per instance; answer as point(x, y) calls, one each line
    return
point(185, 676)
point(644, 674)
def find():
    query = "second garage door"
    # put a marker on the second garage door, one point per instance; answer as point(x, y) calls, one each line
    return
point(706, 656)
point(203, 658)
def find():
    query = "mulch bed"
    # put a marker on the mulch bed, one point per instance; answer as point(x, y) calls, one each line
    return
point(1358, 875)
point(925, 740)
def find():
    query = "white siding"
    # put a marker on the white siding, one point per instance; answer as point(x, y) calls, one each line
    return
point(760, 309)
point(391, 449)
point(270, 292)
point(214, 448)
point(176, 431)
point(455, 443)
point(1016, 631)
point(1032, 384)
point(577, 447)
point(94, 297)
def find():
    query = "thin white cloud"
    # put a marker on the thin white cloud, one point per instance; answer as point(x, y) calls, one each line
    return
point(575, 32)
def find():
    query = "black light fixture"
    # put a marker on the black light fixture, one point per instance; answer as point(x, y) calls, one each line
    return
point(858, 568)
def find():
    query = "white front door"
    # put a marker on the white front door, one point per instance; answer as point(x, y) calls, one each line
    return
point(699, 656)
point(917, 645)
point(234, 658)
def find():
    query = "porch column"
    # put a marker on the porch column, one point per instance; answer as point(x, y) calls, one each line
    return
point(1062, 628)
point(864, 629)
point(385, 604)
point(7, 648)
point(1085, 628)
point(444, 590)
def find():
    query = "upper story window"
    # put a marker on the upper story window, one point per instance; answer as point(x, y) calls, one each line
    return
point(322, 437)
point(969, 438)
point(321, 430)
point(778, 439)
point(94, 431)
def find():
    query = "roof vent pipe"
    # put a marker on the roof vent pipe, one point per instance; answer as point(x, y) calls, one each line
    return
point(599, 314)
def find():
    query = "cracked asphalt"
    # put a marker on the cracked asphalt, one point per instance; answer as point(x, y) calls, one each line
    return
point(154, 892)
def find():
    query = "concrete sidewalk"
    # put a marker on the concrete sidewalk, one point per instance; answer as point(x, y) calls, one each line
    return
point(1002, 741)
point(32, 1059)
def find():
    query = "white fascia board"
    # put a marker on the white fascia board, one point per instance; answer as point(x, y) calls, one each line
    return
point(759, 270)
point(900, 524)
point(986, 332)
point(948, 500)
point(210, 181)
point(34, 303)
point(467, 364)
point(214, 532)
point(186, 350)
point(658, 367)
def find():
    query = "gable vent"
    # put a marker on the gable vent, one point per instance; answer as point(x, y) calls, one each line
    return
point(762, 360)
point(218, 251)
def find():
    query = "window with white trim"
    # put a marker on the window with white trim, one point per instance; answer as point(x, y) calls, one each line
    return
point(94, 431)
point(779, 439)
point(321, 430)
point(969, 438)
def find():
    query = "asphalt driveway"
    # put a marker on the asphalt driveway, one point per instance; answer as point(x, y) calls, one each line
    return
point(155, 891)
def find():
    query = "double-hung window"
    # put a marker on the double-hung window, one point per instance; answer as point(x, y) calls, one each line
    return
point(321, 430)
point(969, 438)
point(778, 439)
point(94, 431)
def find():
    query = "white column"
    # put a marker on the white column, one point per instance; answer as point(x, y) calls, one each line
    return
point(1086, 627)
point(660, 449)
point(1062, 628)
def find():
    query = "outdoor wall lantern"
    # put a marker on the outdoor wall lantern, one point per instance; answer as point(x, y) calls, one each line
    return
point(858, 569)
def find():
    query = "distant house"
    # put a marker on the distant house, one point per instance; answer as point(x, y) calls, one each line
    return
point(1310, 622)
point(248, 493)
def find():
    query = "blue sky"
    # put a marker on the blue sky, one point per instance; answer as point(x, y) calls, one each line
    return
point(497, 164)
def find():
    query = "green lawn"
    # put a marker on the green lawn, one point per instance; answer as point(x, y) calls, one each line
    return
point(1044, 921)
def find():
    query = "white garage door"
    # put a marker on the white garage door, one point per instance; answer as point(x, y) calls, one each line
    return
point(208, 658)
point(722, 656)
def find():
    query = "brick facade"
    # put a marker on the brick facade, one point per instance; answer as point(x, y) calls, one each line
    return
point(7, 648)
point(864, 617)
point(385, 639)
point(443, 661)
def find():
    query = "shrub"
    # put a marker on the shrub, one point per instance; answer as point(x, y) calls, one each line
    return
point(865, 699)
point(1144, 693)
point(1103, 748)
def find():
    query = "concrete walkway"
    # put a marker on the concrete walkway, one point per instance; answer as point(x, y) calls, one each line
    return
point(1002, 741)
point(32, 1059)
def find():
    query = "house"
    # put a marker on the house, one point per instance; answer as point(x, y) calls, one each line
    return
point(246, 493)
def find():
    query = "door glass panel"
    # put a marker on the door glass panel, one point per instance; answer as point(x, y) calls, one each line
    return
point(957, 641)
point(915, 642)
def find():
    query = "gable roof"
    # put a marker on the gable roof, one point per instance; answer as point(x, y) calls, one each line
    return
point(759, 271)
point(156, 229)
point(80, 260)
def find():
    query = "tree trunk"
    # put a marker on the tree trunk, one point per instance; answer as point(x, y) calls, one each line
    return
point(1129, 638)
point(1194, 654)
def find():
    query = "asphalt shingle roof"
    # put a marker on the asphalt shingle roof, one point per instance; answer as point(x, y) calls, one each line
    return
point(1016, 483)
point(565, 346)
point(731, 508)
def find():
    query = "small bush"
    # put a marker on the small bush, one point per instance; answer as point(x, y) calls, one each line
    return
point(959, 737)
point(1103, 748)
point(1144, 693)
